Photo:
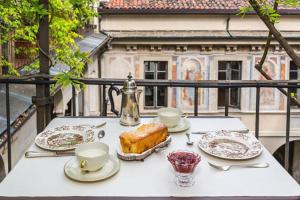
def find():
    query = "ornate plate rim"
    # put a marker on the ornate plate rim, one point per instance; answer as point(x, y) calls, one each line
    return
point(53, 130)
point(206, 150)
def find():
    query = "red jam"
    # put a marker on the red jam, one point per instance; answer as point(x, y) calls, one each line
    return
point(184, 161)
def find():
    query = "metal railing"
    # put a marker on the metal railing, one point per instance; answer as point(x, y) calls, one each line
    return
point(288, 85)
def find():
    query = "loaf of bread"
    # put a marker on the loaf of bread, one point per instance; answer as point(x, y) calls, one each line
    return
point(143, 138)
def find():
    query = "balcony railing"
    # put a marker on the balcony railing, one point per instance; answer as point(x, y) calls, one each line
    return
point(196, 85)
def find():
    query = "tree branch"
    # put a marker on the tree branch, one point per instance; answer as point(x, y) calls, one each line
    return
point(277, 35)
point(272, 30)
point(260, 64)
point(262, 61)
point(45, 54)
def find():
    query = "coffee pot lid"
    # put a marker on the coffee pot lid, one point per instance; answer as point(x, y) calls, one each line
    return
point(129, 83)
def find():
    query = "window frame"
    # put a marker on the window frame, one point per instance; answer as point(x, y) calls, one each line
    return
point(156, 71)
point(228, 75)
point(297, 71)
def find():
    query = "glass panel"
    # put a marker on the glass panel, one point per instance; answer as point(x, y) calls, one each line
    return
point(222, 75)
point(162, 66)
point(293, 75)
point(235, 65)
point(221, 97)
point(234, 97)
point(161, 75)
point(293, 71)
point(149, 96)
point(149, 66)
point(235, 75)
point(222, 65)
point(161, 96)
point(149, 75)
point(152, 66)
point(293, 66)
point(146, 64)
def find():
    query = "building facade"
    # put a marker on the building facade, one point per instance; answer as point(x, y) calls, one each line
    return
point(202, 42)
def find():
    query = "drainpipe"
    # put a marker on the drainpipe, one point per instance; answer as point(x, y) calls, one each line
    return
point(227, 26)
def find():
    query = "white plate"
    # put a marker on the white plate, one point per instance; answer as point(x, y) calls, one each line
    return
point(64, 138)
point(183, 125)
point(230, 145)
point(142, 156)
point(73, 171)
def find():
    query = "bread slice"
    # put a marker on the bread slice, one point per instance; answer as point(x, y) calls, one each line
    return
point(143, 138)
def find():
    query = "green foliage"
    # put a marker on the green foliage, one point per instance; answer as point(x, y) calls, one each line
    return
point(64, 79)
point(267, 9)
point(19, 22)
point(11, 69)
point(244, 10)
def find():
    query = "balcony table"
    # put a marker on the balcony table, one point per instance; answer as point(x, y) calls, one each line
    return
point(43, 178)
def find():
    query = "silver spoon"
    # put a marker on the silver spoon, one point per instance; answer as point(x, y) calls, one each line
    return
point(101, 134)
point(227, 167)
point(189, 142)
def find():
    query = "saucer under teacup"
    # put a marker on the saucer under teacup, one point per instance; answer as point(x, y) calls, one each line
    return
point(73, 171)
point(183, 125)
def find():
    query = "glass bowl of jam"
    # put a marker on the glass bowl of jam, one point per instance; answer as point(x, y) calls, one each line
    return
point(184, 164)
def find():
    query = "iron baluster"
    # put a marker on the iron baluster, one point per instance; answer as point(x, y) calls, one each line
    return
point(104, 101)
point(257, 112)
point(287, 135)
point(226, 101)
point(196, 102)
point(73, 101)
point(8, 126)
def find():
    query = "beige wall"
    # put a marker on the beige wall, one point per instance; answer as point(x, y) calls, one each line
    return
point(287, 23)
point(162, 22)
point(91, 92)
point(191, 22)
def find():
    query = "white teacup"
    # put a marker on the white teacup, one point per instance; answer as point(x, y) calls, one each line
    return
point(92, 156)
point(169, 116)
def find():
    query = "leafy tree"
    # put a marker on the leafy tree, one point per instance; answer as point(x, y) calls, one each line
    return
point(267, 11)
point(19, 21)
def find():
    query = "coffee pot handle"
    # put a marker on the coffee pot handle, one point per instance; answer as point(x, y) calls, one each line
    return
point(111, 99)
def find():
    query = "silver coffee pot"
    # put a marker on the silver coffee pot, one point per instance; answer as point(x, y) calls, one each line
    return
point(130, 114)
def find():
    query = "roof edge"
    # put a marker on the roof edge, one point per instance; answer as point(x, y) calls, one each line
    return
point(133, 11)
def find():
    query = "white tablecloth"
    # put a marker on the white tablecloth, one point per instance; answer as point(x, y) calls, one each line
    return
point(154, 176)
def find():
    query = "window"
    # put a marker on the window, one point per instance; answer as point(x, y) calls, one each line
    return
point(155, 97)
point(229, 70)
point(294, 75)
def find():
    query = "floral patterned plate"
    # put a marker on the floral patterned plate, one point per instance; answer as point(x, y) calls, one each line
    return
point(64, 138)
point(230, 145)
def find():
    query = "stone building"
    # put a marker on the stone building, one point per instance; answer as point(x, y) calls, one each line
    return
point(201, 40)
